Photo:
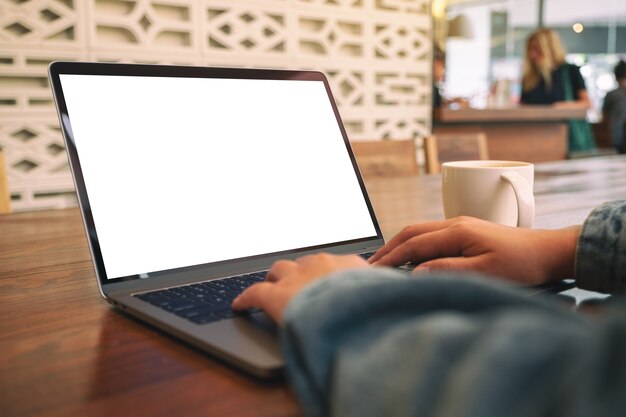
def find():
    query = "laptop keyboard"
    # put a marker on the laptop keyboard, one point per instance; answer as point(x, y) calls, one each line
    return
point(366, 255)
point(206, 302)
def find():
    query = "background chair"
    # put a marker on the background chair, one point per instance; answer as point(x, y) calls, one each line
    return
point(386, 157)
point(602, 134)
point(5, 196)
point(447, 147)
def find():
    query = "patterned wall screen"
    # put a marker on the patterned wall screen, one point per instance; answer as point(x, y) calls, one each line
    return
point(375, 52)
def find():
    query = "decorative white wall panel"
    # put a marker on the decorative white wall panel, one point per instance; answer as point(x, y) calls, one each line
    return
point(376, 54)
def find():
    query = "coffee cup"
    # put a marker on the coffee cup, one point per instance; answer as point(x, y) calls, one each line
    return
point(498, 191)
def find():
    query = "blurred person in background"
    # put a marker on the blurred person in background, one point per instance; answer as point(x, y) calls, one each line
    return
point(544, 68)
point(548, 79)
point(439, 76)
point(614, 108)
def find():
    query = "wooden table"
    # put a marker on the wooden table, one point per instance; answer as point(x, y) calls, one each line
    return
point(65, 352)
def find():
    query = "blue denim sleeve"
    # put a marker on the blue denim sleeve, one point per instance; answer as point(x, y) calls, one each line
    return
point(377, 343)
point(601, 251)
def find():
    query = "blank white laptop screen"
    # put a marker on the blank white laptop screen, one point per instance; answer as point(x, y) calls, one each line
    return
point(187, 171)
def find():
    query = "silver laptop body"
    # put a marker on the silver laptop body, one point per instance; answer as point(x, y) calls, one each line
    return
point(192, 174)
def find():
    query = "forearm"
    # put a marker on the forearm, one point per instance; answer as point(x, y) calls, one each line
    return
point(374, 344)
point(558, 251)
point(583, 99)
point(580, 103)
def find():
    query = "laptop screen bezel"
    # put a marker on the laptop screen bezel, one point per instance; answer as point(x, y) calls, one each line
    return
point(56, 69)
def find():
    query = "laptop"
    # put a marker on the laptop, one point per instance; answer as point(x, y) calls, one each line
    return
point(192, 181)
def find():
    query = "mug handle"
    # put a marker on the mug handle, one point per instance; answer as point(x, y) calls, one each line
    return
point(525, 198)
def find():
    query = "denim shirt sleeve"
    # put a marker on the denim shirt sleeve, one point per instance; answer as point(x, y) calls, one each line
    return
point(378, 343)
point(601, 251)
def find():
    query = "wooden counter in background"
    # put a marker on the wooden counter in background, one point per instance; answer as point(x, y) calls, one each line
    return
point(526, 133)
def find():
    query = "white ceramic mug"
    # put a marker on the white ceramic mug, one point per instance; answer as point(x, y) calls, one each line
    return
point(498, 191)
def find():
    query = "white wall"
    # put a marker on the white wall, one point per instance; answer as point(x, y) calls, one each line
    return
point(467, 60)
point(375, 52)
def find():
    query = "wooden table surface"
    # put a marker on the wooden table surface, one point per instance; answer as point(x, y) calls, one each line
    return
point(65, 352)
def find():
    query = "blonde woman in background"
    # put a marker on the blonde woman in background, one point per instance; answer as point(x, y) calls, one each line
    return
point(548, 79)
point(544, 71)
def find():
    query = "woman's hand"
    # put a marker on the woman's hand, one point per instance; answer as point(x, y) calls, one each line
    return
point(530, 256)
point(286, 279)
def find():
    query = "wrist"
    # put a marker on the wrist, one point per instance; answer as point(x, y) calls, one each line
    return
point(561, 253)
